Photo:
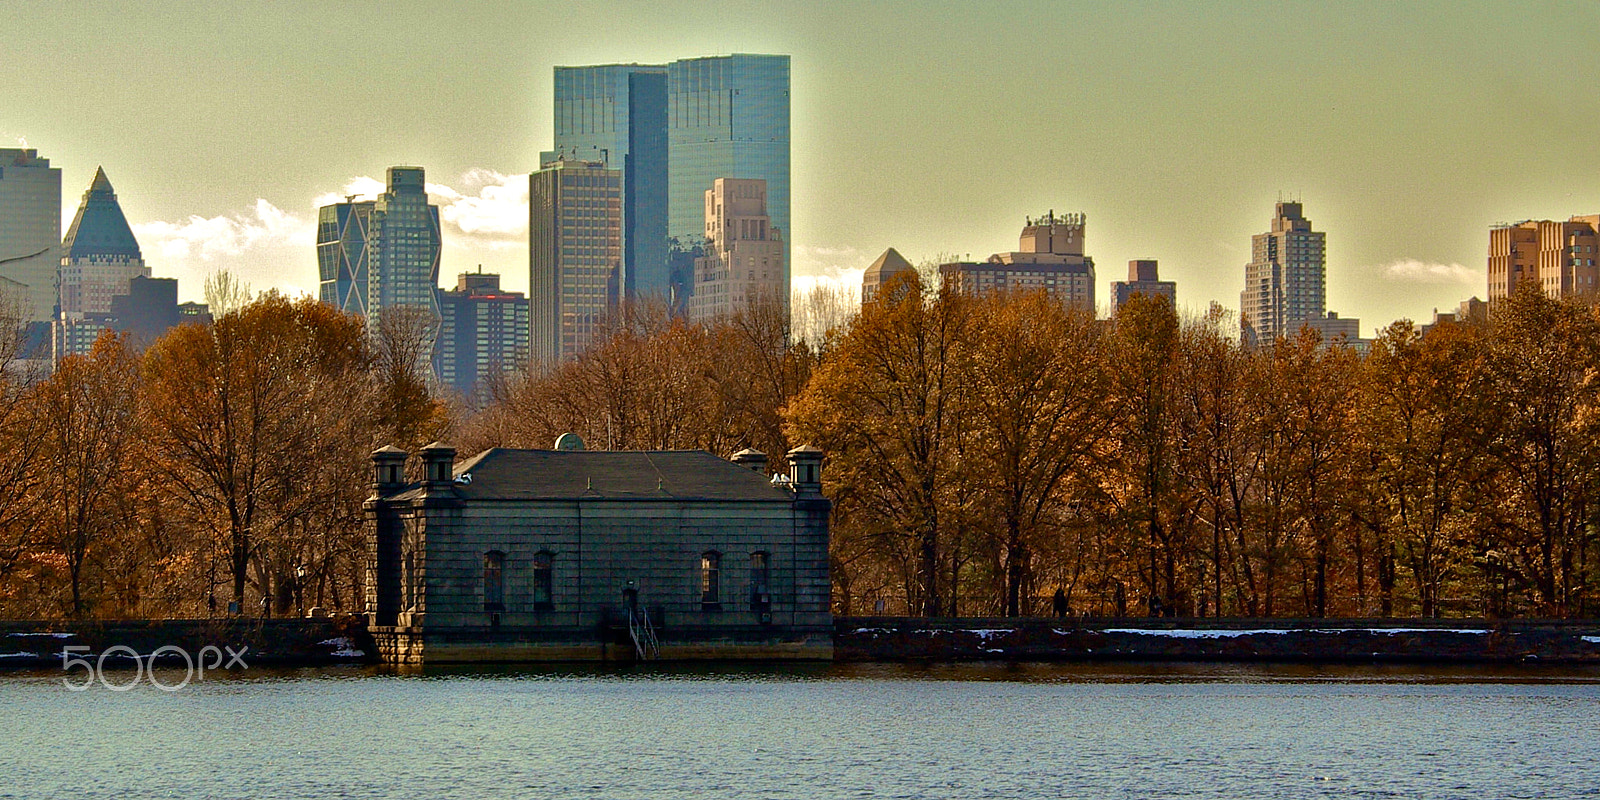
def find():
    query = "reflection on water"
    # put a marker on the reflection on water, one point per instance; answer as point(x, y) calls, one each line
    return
point(801, 731)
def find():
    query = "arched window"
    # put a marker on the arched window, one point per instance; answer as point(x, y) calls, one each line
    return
point(760, 581)
point(543, 596)
point(494, 581)
point(710, 580)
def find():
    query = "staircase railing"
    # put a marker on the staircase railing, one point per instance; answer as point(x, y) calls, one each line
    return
point(645, 643)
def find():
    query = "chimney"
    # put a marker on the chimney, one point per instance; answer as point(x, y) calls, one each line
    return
point(805, 469)
point(438, 462)
point(751, 459)
point(388, 469)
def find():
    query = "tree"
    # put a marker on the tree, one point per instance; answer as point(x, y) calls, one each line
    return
point(1037, 386)
point(888, 405)
point(245, 413)
point(408, 414)
point(225, 293)
point(88, 412)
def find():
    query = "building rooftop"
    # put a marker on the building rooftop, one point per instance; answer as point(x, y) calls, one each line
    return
point(100, 230)
point(506, 474)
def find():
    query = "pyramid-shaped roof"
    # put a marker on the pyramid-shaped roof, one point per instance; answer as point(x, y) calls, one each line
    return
point(890, 263)
point(100, 230)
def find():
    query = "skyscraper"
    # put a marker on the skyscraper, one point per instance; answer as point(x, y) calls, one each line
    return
point(383, 252)
point(672, 130)
point(483, 332)
point(727, 117)
point(99, 254)
point(30, 231)
point(743, 263)
point(1285, 281)
point(616, 114)
point(575, 255)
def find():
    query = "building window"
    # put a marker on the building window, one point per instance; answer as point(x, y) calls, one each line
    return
point(710, 580)
point(543, 596)
point(494, 581)
point(760, 582)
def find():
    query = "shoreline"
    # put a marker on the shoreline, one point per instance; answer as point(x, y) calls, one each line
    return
point(31, 645)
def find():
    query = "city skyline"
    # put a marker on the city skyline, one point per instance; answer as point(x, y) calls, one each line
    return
point(905, 134)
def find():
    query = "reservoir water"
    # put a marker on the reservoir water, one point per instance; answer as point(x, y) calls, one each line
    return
point(843, 731)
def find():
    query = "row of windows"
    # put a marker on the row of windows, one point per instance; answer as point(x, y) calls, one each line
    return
point(494, 585)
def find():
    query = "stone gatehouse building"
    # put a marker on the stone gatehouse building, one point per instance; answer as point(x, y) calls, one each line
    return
point(570, 554)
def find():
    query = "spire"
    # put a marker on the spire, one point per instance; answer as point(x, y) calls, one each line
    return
point(101, 184)
point(100, 230)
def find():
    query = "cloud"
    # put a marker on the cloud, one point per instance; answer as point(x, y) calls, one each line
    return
point(1410, 270)
point(355, 189)
point(493, 204)
point(211, 239)
point(490, 208)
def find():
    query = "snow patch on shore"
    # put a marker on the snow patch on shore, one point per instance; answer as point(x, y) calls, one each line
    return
point(986, 633)
point(1221, 634)
point(343, 648)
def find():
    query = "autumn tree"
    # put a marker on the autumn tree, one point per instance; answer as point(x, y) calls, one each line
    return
point(245, 413)
point(1037, 385)
point(87, 413)
point(889, 406)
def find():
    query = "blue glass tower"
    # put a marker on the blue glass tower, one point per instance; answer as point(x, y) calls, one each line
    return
point(673, 130)
point(728, 117)
point(617, 115)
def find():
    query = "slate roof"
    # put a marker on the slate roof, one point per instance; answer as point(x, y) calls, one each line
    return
point(100, 230)
point(504, 474)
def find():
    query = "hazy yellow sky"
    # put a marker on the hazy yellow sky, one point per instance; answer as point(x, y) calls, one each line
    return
point(1407, 129)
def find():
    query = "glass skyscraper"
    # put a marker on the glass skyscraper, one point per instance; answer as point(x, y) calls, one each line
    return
point(382, 252)
point(727, 117)
point(673, 130)
point(617, 115)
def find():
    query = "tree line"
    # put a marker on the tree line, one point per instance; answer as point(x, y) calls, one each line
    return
point(985, 454)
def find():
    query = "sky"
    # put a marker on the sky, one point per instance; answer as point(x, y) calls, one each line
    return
point(1406, 129)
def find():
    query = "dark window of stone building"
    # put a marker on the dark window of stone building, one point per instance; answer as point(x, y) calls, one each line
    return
point(408, 581)
point(760, 582)
point(543, 597)
point(710, 579)
point(494, 581)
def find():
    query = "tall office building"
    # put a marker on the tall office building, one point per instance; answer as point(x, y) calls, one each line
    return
point(672, 130)
point(1285, 281)
point(617, 115)
point(384, 252)
point(1559, 257)
point(30, 231)
point(575, 255)
point(1144, 278)
point(483, 333)
point(728, 117)
point(1049, 258)
point(99, 255)
point(743, 263)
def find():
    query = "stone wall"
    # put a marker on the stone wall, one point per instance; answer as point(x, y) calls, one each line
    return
point(1280, 640)
point(323, 640)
